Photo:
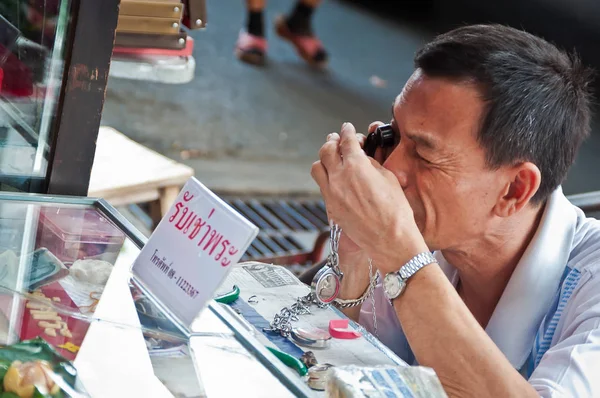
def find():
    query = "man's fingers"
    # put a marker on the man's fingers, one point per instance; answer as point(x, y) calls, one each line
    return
point(361, 139)
point(319, 174)
point(349, 144)
point(373, 126)
point(329, 154)
point(333, 137)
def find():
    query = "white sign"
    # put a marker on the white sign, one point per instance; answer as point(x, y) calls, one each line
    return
point(191, 251)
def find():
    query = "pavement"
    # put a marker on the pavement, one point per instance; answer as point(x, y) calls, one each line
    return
point(252, 130)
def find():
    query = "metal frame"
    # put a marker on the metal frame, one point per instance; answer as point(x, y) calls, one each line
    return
point(82, 96)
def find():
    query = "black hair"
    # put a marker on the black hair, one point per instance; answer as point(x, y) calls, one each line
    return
point(537, 97)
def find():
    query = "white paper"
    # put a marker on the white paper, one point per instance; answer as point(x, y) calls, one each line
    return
point(192, 250)
point(81, 293)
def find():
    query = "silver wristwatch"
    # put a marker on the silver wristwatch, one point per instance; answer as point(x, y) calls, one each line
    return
point(395, 282)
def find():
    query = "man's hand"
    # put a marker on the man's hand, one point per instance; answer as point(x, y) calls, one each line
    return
point(347, 248)
point(366, 200)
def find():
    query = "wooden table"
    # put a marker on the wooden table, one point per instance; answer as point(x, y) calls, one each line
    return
point(125, 172)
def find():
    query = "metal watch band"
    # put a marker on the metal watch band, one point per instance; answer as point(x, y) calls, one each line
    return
point(415, 264)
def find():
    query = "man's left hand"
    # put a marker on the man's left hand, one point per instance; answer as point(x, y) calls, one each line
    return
point(367, 201)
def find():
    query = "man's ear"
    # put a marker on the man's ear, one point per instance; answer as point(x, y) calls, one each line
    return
point(523, 183)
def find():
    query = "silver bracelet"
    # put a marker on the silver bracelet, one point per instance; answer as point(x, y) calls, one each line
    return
point(343, 304)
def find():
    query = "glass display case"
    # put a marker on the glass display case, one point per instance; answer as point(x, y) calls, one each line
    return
point(65, 278)
point(32, 62)
point(54, 59)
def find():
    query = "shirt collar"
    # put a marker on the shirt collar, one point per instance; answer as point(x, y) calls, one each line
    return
point(534, 282)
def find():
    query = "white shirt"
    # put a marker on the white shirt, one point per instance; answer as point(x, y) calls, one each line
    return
point(547, 322)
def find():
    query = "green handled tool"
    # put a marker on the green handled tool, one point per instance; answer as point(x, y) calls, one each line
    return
point(290, 361)
point(229, 297)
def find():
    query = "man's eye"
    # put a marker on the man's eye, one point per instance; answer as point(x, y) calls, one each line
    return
point(422, 158)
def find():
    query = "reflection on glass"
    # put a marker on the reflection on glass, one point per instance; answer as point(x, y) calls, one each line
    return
point(55, 262)
point(32, 42)
point(64, 278)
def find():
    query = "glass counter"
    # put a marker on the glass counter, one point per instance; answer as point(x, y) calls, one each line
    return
point(33, 36)
point(65, 277)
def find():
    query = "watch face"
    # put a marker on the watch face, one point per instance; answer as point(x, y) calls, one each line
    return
point(326, 285)
point(392, 286)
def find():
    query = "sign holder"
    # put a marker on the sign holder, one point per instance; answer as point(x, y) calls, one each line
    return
point(190, 253)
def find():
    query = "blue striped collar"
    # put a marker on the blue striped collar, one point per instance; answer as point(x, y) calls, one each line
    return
point(534, 282)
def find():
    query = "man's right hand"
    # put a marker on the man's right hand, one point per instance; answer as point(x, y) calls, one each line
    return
point(354, 262)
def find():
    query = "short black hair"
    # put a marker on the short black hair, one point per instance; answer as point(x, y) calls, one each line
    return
point(538, 97)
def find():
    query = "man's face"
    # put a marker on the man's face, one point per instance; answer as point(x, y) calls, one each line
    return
point(439, 162)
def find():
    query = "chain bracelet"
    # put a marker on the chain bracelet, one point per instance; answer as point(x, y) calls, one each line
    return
point(333, 260)
point(282, 322)
point(375, 332)
point(343, 304)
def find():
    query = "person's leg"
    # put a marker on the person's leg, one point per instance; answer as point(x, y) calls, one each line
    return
point(297, 29)
point(251, 45)
point(254, 20)
point(299, 20)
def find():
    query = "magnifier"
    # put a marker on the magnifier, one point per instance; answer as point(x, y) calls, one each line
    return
point(382, 137)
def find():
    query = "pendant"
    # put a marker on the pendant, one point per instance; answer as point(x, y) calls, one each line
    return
point(326, 285)
point(313, 338)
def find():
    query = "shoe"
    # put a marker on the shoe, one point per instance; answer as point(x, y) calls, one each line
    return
point(308, 47)
point(251, 49)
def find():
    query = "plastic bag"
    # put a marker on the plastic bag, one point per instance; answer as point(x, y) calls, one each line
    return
point(32, 369)
point(383, 381)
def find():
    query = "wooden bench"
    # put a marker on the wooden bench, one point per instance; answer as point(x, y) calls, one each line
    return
point(125, 172)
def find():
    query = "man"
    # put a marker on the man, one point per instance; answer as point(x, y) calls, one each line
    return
point(296, 28)
point(487, 127)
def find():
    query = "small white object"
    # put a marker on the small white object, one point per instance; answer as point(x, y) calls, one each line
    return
point(181, 41)
point(175, 25)
point(198, 22)
point(91, 271)
point(50, 332)
point(163, 69)
point(66, 333)
point(176, 9)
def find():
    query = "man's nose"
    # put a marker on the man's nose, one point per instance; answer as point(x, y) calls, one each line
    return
point(399, 163)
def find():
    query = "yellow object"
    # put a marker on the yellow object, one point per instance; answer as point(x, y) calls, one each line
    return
point(23, 378)
point(69, 347)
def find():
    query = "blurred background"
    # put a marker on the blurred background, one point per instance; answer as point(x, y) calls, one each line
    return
point(247, 129)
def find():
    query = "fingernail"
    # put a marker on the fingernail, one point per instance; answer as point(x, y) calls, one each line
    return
point(344, 126)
